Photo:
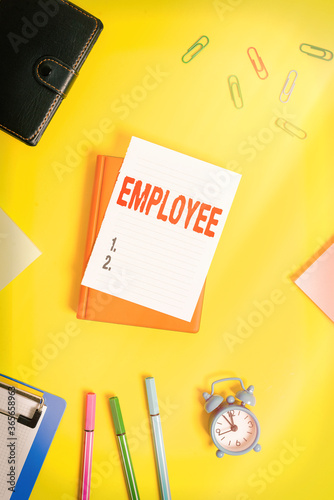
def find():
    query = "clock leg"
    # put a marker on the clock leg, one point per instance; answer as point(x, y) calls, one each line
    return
point(219, 453)
point(257, 447)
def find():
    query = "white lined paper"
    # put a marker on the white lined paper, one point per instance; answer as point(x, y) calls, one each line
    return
point(153, 262)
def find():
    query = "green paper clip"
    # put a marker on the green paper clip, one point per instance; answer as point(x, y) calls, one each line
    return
point(325, 52)
point(290, 128)
point(235, 95)
point(197, 45)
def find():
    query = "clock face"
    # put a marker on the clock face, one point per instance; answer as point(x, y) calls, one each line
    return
point(235, 430)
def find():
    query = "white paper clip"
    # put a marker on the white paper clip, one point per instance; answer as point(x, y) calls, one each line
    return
point(288, 86)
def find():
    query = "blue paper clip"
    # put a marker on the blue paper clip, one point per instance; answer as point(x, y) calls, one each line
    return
point(235, 95)
point(290, 128)
point(285, 94)
point(325, 52)
point(257, 61)
point(198, 45)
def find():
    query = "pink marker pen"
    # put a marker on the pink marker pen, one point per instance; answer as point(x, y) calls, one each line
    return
point(88, 446)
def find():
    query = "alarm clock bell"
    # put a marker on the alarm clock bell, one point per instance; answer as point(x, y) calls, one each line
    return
point(212, 402)
point(246, 396)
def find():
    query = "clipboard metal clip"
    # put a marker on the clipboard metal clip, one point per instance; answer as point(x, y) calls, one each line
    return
point(290, 128)
point(198, 45)
point(257, 63)
point(235, 91)
point(21, 419)
point(319, 53)
point(288, 86)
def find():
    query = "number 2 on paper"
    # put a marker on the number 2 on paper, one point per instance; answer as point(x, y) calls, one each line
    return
point(108, 257)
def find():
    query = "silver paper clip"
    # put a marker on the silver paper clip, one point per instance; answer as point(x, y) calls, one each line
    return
point(290, 128)
point(257, 63)
point(198, 45)
point(236, 96)
point(287, 89)
point(320, 53)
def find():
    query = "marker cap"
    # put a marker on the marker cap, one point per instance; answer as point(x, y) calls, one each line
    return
point(117, 415)
point(90, 411)
point(152, 396)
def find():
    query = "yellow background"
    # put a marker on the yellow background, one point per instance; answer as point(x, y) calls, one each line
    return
point(282, 214)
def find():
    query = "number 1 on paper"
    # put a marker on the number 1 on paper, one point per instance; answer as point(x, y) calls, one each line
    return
point(108, 257)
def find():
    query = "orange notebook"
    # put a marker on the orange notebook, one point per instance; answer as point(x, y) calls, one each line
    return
point(98, 306)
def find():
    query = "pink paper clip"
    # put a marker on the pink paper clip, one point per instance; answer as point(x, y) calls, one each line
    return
point(257, 63)
point(288, 86)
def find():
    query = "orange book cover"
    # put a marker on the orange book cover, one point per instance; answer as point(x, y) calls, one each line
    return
point(98, 306)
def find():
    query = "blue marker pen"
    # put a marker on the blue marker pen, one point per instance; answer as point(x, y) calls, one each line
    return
point(159, 447)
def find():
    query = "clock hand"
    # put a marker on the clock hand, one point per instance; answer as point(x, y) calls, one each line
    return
point(229, 423)
point(231, 417)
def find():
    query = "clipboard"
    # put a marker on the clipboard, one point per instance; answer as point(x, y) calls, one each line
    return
point(38, 425)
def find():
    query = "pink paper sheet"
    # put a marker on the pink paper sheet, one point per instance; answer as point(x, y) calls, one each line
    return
point(316, 279)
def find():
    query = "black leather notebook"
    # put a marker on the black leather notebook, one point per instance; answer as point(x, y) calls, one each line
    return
point(43, 44)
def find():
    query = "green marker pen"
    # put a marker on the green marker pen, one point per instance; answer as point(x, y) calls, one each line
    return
point(124, 448)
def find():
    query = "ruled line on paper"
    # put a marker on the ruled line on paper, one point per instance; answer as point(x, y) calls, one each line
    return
point(133, 297)
point(154, 259)
point(134, 288)
point(169, 245)
point(159, 261)
point(160, 179)
point(153, 263)
point(170, 173)
point(187, 169)
point(177, 236)
point(142, 241)
point(164, 276)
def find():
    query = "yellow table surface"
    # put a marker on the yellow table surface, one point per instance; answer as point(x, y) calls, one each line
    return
point(256, 323)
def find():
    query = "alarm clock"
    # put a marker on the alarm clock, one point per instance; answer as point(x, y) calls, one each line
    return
point(234, 429)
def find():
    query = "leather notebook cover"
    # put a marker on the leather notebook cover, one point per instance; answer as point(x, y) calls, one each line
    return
point(43, 44)
point(98, 306)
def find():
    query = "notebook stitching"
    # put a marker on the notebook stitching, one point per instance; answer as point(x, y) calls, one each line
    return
point(49, 84)
point(28, 138)
point(74, 66)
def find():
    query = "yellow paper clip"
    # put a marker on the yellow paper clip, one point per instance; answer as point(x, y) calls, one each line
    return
point(290, 128)
point(257, 63)
point(235, 95)
point(198, 45)
point(327, 55)
point(287, 90)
